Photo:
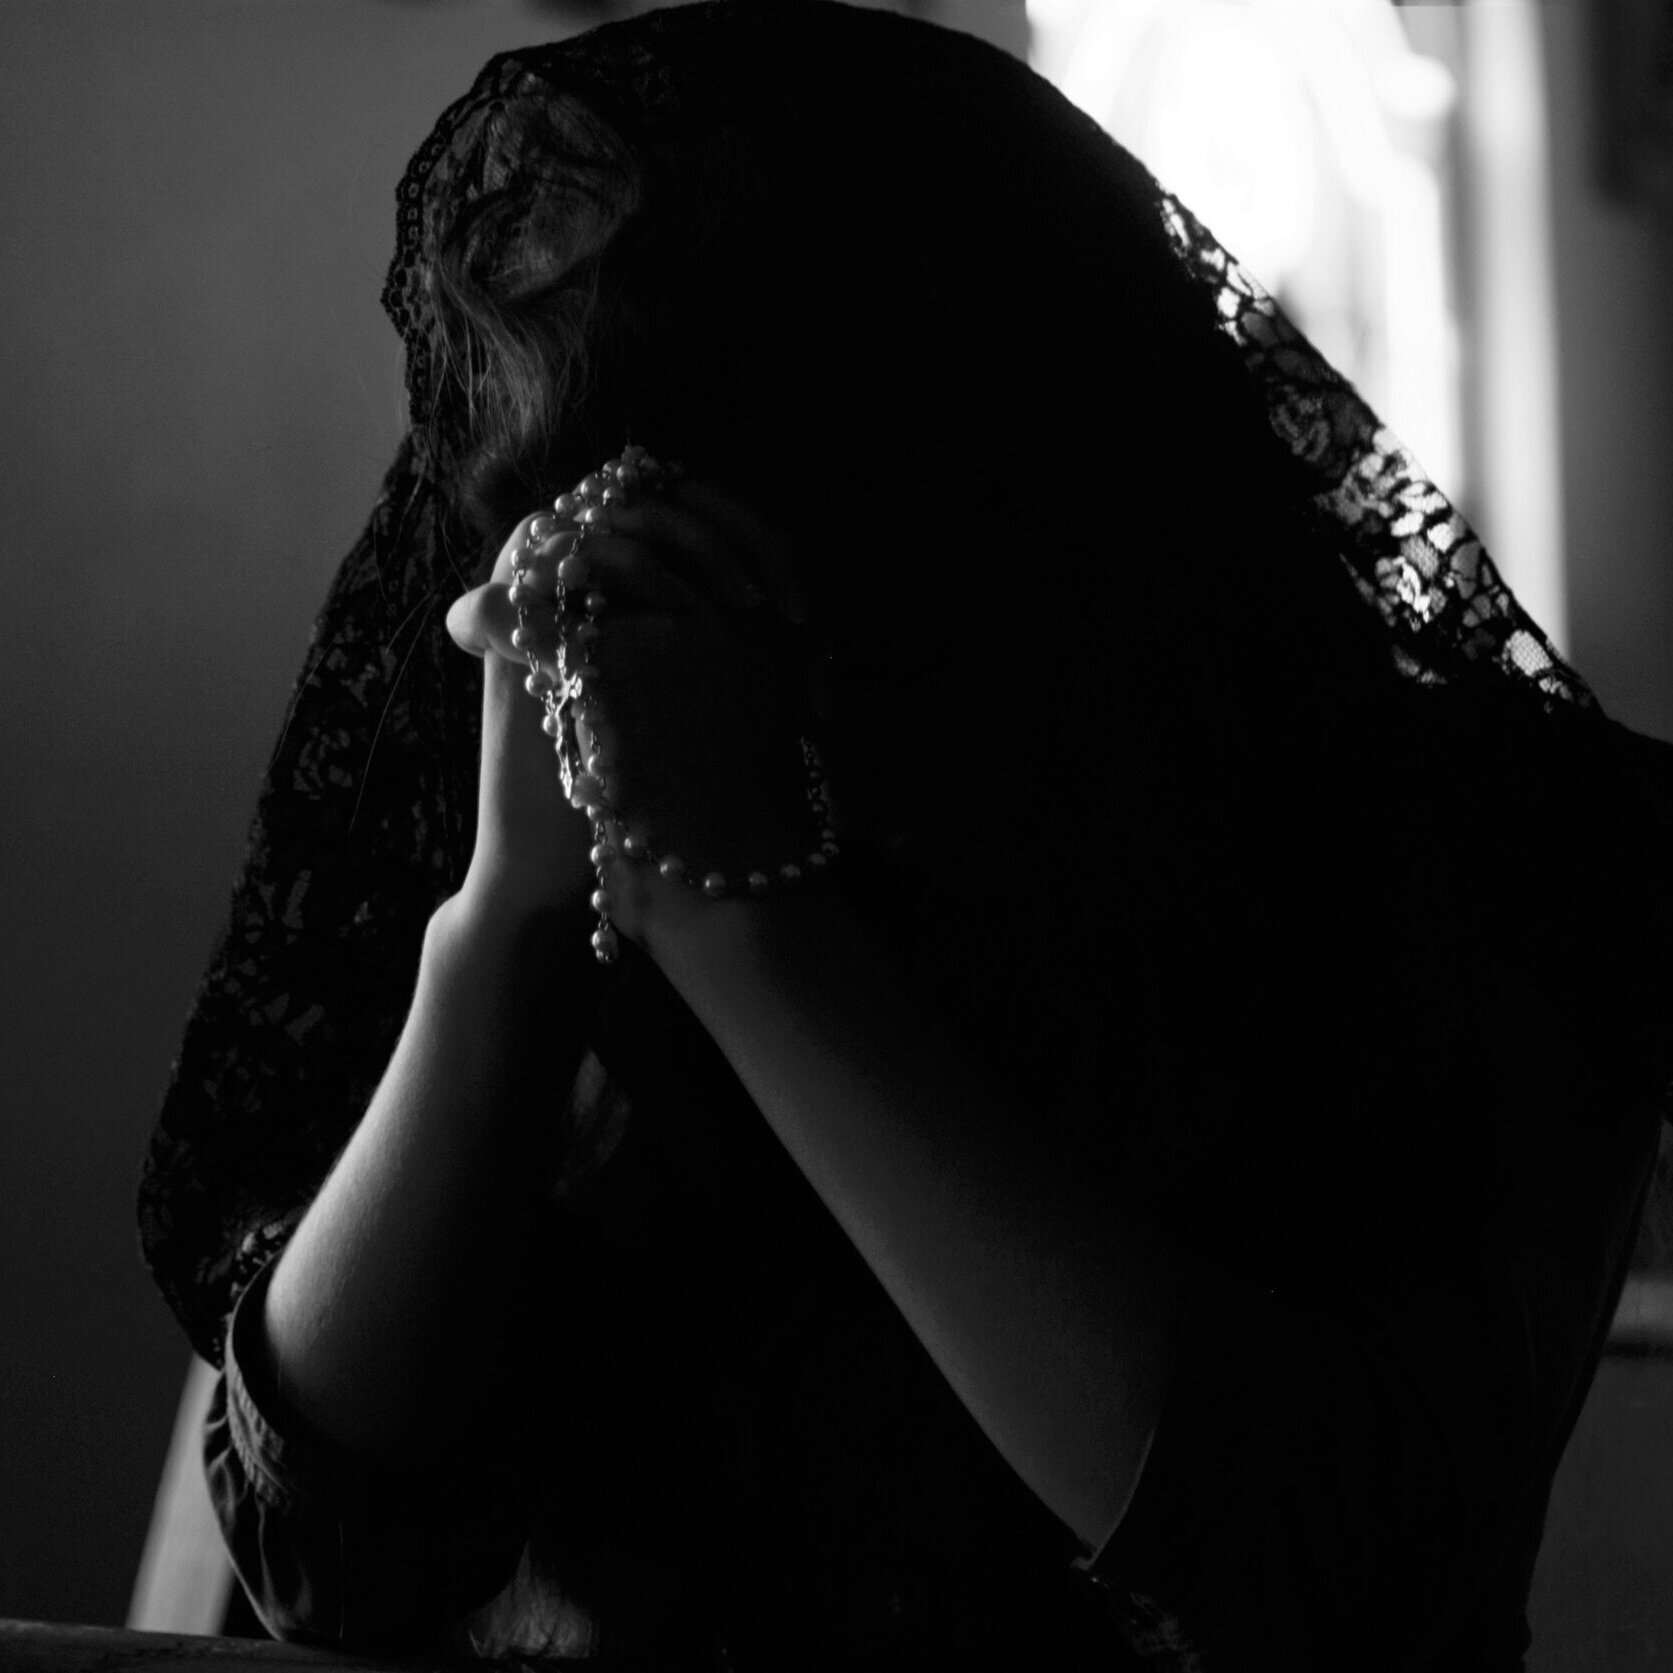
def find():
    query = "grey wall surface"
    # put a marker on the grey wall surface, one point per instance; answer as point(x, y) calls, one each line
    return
point(1614, 275)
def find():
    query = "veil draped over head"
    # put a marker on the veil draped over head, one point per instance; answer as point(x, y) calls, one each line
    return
point(889, 281)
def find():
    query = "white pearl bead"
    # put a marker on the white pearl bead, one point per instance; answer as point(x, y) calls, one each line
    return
point(603, 900)
point(633, 846)
point(552, 726)
point(594, 518)
point(572, 571)
point(543, 528)
point(714, 885)
point(594, 604)
point(539, 684)
point(605, 945)
point(602, 853)
point(588, 792)
point(672, 867)
point(521, 595)
point(758, 881)
point(589, 485)
point(566, 505)
point(790, 871)
point(524, 639)
point(816, 860)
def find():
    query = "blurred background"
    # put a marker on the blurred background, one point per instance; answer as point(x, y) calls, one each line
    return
point(1469, 207)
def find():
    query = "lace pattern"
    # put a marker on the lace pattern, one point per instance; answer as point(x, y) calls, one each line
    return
point(1414, 559)
point(361, 829)
point(366, 818)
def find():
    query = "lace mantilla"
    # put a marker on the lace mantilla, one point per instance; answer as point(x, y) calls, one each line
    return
point(367, 816)
point(1411, 554)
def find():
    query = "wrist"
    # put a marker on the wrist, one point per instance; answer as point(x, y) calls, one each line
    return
point(493, 924)
point(695, 936)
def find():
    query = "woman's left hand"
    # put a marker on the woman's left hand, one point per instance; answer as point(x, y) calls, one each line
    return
point(700, 695)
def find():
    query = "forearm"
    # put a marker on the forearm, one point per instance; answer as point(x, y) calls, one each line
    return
point(400, 1306)
point(1054, 1312)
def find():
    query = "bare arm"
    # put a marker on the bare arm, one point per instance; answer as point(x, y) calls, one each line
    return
point(400, 1308)
point(1054, 1313)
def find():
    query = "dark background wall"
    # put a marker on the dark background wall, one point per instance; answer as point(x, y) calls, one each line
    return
point(1614, 270)
point(198, 395)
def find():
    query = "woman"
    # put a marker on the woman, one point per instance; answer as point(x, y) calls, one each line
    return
point(1157, 1183)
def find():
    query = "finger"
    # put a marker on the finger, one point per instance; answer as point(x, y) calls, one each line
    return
point(702, 554)
point(534, 541)
point(540, 561)
point(488, 620)
point(483, 621)
point(525, 573)
point(626, 569)
point(774, 559)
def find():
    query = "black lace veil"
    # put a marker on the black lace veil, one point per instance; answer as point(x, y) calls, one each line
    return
point(365, 818)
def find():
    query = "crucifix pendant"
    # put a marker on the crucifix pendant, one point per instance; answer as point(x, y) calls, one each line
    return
point(564, 704)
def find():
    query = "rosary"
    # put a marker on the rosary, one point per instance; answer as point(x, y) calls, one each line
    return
point(573, 695)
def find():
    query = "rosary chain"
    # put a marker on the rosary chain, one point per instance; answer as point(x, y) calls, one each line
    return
point(573, 693)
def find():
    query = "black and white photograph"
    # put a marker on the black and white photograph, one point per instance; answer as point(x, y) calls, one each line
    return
point(837, 836)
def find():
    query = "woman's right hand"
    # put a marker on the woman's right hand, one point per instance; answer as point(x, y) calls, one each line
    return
point(532, 848)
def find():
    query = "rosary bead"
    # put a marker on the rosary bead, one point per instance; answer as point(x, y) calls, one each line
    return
point(575, 608)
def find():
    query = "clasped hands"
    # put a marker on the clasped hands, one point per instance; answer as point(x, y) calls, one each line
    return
point(700, 694)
